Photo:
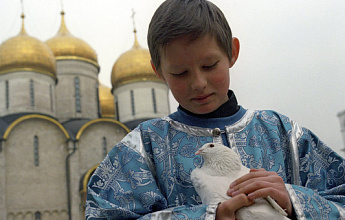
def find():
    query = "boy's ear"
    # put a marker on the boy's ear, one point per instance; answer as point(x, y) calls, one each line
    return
point(235, 50)
point(156, 71)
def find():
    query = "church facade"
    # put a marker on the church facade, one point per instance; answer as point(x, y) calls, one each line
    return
point(57, 122)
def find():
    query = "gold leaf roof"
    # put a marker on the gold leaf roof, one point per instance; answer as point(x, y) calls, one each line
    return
point(133, 66)
point(106, 100)
point(26, 53)
point(66, 46)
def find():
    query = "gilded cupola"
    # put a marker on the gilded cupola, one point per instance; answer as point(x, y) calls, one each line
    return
point(133, 66)
point(26, 53)
point(106, 100)
point(65, 46)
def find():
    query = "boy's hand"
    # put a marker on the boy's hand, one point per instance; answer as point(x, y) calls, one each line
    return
point(226, 210)
point(260, 184)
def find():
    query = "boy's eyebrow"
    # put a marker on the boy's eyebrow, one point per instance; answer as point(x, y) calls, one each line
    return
point(211, 57)
point(174, 67)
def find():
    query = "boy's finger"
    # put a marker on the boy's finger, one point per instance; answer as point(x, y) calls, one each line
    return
point(254, 174)
point(256, 170)
point(250, 187)
point(240, 201)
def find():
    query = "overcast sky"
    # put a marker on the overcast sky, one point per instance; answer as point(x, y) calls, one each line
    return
point(291, 57)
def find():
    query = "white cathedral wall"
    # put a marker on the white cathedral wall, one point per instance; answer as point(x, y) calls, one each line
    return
point(143, 100)
point(55, 215)
point(2, 183)
point(65, 89)
point(44, 97)
point(91, 143)
point(31, 188)
point(163, 104)
point(19, 93)
point(89, 154)
point(2, 96)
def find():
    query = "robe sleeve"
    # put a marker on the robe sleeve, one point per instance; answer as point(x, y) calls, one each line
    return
point(124, 187)
point(321, 191)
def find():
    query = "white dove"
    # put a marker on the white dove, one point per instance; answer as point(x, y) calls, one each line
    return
point(221, 167)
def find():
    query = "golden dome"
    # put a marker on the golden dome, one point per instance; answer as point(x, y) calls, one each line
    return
point(133, 66)
point(26, 53)
point(65, 46)
point(106, 100)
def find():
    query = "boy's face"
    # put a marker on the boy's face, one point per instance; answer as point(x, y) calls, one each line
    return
point(197, 73)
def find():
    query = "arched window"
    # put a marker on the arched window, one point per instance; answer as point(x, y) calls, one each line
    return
point(104, 146)
point(117, 108)
point(98, 102)
point(37, 216)
point(32, 93)
point(7, 95)
point(36, 155)
point(154, 101)
point(77, 94)
point(132, 103)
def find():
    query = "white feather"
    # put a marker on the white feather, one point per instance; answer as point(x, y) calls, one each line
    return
point(221, 167)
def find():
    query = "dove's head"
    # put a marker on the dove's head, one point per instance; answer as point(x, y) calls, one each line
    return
point(210, 149)
point(220, 156)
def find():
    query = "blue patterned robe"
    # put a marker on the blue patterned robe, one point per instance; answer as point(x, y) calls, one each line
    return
point(147, 175)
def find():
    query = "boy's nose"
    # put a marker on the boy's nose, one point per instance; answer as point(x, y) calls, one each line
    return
point(198, 82)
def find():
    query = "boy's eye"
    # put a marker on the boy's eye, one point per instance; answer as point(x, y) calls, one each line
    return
point(179, 74)
point(210, 66)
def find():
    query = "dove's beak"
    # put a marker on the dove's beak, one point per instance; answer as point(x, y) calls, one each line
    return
point(198, 152)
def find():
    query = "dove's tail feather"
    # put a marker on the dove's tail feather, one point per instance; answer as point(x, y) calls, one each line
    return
point(275, 205)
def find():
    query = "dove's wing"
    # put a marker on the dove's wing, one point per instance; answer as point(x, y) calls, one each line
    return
point(260, 210)
point(211, 189)
point(272, 202)
point(223, 162)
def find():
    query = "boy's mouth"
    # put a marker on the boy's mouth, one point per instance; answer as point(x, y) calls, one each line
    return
point(201, 98)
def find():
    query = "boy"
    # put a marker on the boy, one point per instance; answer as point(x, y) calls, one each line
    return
point(147, 175)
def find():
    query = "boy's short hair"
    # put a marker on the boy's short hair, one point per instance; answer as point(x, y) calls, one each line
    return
point(186, 18)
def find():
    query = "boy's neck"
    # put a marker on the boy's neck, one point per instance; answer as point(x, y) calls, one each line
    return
point(227, 109)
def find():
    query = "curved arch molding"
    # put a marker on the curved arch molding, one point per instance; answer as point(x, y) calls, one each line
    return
point(33, 116)
point(83, 128)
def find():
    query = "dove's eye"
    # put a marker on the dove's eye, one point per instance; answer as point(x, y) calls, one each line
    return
point(211, 145)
